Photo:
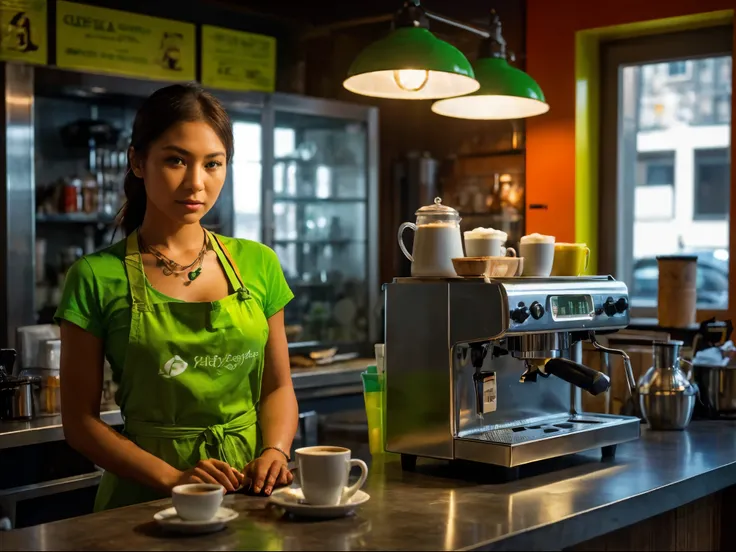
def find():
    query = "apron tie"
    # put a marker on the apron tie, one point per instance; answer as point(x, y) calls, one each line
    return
point(214, 436)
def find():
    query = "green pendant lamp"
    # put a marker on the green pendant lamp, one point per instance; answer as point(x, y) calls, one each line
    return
point(505, 91)
point(411, 63)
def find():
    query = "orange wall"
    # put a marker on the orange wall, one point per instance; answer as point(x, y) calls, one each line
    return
point(550, 59)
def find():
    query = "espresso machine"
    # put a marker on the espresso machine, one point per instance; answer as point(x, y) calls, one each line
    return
point(490, 371)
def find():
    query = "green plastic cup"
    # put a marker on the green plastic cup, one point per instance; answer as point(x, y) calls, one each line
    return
point(373, 398)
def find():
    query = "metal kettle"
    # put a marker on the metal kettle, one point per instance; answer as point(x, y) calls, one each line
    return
point(666, 393)
point(17, 401)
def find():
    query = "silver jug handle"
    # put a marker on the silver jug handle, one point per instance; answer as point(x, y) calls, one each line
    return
point(627, 362)
point(691, 379)
point(403, 227)
point(690, 368)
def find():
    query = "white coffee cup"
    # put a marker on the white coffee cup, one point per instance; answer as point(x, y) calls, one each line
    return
point(197, 501)
point(322, 473)
point(487, 242)
point(538, 251)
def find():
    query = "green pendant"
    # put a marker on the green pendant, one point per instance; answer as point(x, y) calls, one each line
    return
point(194, 274)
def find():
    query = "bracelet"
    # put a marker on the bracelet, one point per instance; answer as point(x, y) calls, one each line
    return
point(264, 449)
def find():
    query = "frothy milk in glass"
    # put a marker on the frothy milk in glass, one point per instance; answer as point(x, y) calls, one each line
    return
point(485, 242)
point(538, 251)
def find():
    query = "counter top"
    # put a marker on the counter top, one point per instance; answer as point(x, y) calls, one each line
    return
point(43, 429)
point(308, 382)
point(331, 375)
point(560, 503)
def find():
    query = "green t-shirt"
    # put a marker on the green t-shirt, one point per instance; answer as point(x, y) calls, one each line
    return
point(97, 296)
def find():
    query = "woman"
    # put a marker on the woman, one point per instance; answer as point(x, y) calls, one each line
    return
point(191, 323)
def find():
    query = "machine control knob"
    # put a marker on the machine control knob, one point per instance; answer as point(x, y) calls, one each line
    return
point(537, 310)
point(609, 307)
point(520, 315)
point(622, 304)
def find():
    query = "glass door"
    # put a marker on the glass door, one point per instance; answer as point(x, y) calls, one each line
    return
point(246, 177)
point(319, 225)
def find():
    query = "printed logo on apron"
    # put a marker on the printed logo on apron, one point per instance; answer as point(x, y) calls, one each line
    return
point(173, 367)
point(177, 365)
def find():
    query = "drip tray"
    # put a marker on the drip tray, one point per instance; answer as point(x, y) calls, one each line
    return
point(542, 429)
point(543, 438)
point(570, 424)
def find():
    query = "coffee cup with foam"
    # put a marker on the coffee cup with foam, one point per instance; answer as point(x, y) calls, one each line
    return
point(538, 251)
point(487, 242)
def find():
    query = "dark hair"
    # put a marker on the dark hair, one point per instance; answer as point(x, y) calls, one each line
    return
point(163, 109)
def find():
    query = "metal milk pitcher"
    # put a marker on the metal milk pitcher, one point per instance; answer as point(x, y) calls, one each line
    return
point(667, 394)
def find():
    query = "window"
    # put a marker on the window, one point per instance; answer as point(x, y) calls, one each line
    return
point(677, 68)
point(656, 169)
point(680, 70)
point(712, 182)
point(723, 108)
point(667, 167)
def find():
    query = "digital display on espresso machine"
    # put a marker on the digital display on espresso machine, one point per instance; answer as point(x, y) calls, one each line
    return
point(571, 306)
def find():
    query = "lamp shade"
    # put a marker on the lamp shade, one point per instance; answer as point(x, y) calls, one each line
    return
point(411, 64)
point(505, 93)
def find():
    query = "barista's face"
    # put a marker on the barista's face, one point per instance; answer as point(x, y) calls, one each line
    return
point(183, 171)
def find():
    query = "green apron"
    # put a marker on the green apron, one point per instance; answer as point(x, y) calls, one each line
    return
point(191, 379)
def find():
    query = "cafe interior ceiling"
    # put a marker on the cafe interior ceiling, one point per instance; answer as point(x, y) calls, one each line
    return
point(324, 12)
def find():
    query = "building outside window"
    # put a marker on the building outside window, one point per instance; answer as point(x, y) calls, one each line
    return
point(671, 164)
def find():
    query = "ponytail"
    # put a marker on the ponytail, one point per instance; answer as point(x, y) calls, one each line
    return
point(135, 204)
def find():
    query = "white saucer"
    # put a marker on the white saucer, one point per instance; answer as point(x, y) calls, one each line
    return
point(170, 520)
point(292, 500)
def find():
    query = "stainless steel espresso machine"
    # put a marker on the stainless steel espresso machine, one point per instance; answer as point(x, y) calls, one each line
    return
point(490, 370)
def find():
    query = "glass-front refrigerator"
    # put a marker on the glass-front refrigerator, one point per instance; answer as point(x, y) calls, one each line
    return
point(316, 162)
point(303, 181)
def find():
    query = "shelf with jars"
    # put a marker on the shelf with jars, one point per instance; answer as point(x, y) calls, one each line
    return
point(485, 182)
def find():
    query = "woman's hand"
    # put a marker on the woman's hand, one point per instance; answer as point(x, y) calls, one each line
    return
point(266, 471)
point(212, 471)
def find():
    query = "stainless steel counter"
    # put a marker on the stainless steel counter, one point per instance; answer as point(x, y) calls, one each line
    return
point(319, 382)
point(571, 500)
point(325, 381)
point(43, 430)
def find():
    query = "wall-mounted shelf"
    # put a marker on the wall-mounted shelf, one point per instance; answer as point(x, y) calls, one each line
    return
point(492, 216)
point(295, 199)
point(80, 218)
point(480, 154)
point(319, 242)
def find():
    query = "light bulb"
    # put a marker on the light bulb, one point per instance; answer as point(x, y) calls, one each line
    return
point(411, 80)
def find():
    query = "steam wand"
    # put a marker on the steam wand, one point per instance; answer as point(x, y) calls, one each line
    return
point(627, 363)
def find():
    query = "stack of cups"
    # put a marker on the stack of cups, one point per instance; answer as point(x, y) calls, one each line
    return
point(676, 291)
point(374, 398)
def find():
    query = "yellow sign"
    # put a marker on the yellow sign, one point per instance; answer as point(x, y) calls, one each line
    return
point(23, 31)
point(236, 60)
point(112, 41)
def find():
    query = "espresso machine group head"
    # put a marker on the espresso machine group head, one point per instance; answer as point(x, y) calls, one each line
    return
point(491, 371)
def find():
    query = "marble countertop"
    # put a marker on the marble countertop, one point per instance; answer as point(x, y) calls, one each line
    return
point(555, 504)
